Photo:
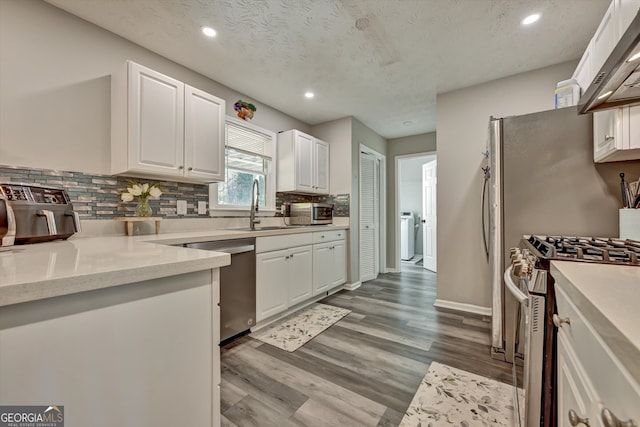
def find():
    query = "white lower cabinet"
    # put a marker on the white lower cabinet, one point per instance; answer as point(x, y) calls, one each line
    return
point(284, 277)
point(329, 260)
point(294, 268)
point(271, 283)
point(594, 388)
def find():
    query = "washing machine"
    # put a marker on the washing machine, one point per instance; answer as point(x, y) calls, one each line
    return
point(407, 236)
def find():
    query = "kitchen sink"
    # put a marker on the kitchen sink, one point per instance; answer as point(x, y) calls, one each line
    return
point(267, 228)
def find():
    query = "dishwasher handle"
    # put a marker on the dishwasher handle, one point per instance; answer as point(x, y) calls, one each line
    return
point(237, 249)
point(229, 248)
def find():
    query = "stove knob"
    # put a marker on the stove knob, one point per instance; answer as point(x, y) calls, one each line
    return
point(517, 269)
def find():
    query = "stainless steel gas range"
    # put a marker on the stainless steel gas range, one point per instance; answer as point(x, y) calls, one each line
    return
point(529, 281)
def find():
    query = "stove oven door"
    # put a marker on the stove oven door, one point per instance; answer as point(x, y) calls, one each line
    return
point(529, 340)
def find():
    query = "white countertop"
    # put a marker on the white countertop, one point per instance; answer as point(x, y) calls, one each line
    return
point(609, 297)
point(44, 270)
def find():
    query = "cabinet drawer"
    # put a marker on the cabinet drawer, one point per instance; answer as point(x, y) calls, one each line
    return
point(274, 243)
point(611, 380)
point(328, 235)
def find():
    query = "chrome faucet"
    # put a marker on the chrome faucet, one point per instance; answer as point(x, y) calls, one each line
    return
point(255, 201)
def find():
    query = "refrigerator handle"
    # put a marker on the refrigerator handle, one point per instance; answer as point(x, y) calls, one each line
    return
point(485, 240)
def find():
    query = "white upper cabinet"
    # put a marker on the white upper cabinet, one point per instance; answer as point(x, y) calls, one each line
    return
point(615, 131)
point(162, 128)
point(203, 135)
point(303, 163)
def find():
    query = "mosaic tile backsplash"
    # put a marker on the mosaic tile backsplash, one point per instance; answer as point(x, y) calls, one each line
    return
point(98, 196)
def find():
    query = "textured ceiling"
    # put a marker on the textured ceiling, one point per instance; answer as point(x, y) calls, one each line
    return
point(381, 61)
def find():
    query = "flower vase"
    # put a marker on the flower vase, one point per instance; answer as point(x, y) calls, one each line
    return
point(143, 208)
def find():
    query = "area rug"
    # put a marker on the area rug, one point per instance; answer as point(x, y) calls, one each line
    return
point(451, 397)
point(294, 331)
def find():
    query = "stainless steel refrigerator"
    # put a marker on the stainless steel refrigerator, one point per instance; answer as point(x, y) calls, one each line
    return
point(540, 178)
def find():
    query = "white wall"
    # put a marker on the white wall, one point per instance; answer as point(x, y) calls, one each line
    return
point(463, 118)
point(56, 94)
point(338, 134)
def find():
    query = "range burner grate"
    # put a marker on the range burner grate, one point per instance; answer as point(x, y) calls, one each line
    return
point(594, 249)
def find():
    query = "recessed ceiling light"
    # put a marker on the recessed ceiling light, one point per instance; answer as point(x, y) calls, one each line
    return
point(209, 32)
point(531, 19)
point(309, 95)
point(407, 123)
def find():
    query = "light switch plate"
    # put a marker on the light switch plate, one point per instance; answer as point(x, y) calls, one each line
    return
point(181, 207)
point(202, 208)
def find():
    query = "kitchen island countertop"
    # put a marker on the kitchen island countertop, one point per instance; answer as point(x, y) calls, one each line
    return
point(45, 270)
point(608, 296)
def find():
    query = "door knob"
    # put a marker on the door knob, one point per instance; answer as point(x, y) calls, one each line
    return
point(558, 321)
point(575, 420)
point(610, 420)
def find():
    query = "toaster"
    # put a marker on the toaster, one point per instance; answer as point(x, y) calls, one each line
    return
point(39, 213)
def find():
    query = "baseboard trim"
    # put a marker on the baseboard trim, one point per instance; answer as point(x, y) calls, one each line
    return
point(352, 286)
point(392, 270)
point(460, 306)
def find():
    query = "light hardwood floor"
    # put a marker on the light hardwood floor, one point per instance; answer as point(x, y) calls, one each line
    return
point(362, 371)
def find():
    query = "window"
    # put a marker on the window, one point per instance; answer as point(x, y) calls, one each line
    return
point(249, 155)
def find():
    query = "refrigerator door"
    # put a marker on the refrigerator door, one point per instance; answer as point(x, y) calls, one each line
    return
point(551, 185)
point(496, 265)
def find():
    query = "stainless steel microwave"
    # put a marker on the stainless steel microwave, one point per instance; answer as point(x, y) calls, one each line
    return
point(311, 213)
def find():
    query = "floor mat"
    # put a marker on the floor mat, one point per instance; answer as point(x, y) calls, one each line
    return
point(451, 397)
point(294, 331)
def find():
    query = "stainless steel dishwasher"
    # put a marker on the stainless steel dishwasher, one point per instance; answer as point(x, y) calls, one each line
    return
point(237, 285)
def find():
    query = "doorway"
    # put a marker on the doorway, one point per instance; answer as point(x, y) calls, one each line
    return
point(416, 222)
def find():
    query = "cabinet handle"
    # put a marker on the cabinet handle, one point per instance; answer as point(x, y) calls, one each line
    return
point(190, 168)
point(180, 167)
point(608, 138)
point(574, 419)
point(610, 420)
point(558, 321)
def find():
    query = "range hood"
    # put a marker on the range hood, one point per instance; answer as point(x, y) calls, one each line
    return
point(617, 83)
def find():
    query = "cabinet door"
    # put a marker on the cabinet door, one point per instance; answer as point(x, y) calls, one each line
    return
point(300, 269)
point(321, 167)
point(322, 267)
point(604, 39)
point(626, 10)
point(339, 263)
point(606, 135)
point(304, 167)
point(204, 135)
point(583, 73)
point(633, 142)
point(272, 278)
point(155, 116)
point(575, 392)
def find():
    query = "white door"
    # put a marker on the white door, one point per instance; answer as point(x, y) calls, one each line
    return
point(429, 182)
point(203, 135)
point(368, 217)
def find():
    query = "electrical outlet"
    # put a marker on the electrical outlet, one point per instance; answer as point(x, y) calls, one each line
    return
point(202, 208)
point(181, 207)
